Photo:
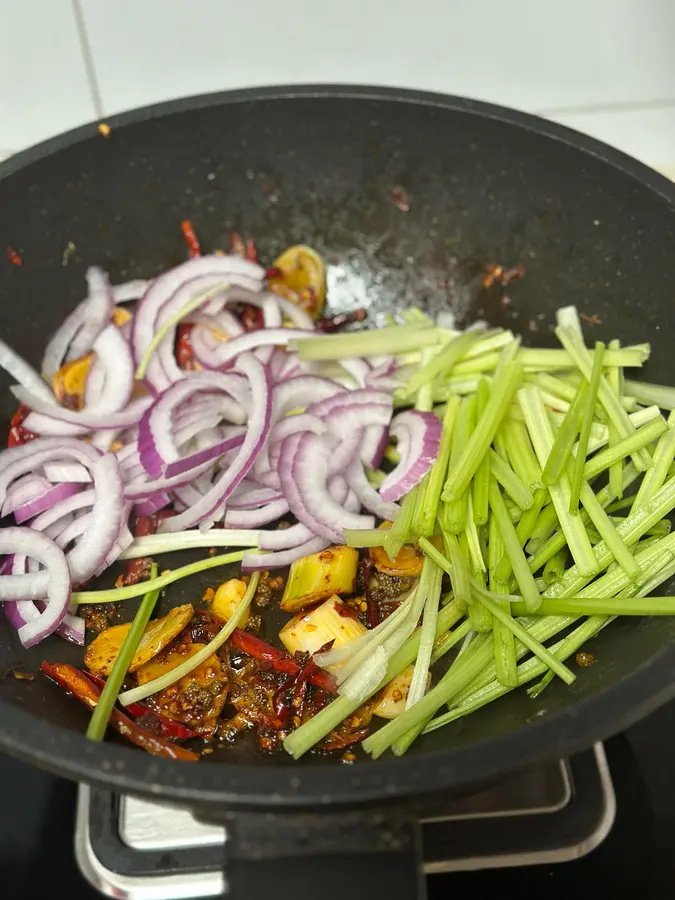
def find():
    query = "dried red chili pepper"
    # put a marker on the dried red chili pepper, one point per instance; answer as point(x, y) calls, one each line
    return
point(168, 727)
point(183, 350)
point(251, 250)
point(75, 683)
point(17, 433)
point(190, 238)
point(13, 256)
point(372, 611)
point(251, 317)
point(333, 323)
point(273, 272)
point(496, 274)
point(401, 199)
point(278, 659)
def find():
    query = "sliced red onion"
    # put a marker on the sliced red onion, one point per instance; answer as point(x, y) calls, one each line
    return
point(256, 518)
point(287, 538)
point(75, 530)
point(130, 290)
point(95, 382)
point(24, 374)
point(151, 505)
point(46, 426)
point(163, 369)
point(230, 269)
point(27, 458)
point(367, 495)
point(375, 440)
point(99, 308)
point(263, 337)
point(72, 472)
point(194, 460)
point(303, 391)
point(86, 557)
point(156, 443)
point(103, 440)
point(27, 542)
point(288, 426)
point(144, 489)
point(85, 417)
point(250, 497)
point(253, 562)
point(419, 437)
point(258, 428)
point(204, 347)
point(23, 490)
point(295, 314)
point(349, 422)
point(317, 509)
point(224, 323)
point(114, 356)
point(54, 530)
point(61, 511)
point(57, 347)
point(349, 400)
point(47, 500)
point(358, 369)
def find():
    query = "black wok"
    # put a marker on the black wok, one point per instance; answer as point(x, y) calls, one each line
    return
point(318, 166)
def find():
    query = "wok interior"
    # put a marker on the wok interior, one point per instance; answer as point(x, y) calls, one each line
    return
point(321, 171)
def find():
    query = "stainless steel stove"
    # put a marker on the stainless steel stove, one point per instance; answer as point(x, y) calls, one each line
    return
point(127, 847)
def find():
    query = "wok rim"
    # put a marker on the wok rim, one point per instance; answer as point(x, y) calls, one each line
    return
point(557, 734)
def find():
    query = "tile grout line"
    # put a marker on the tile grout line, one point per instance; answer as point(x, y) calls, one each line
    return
point(88, 59)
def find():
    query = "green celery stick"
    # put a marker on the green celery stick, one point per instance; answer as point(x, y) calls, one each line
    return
point(424, 521)
point(502, 393)
point(512, 547)
point(651, 394)
point(101, 715)
point(644, 436)
point(481, 479)
point(454, 517)
point(590, 398)
point(554, 568)
point(565, 439)
point(513, 486)
point(541, 434)
point(521, 454)
point(439, 365)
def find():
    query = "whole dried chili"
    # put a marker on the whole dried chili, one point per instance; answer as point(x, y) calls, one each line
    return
point(333, 323)
point(139, 569)
point(279, 660)
point(17, 433)
point(190, 238)
point(184, 355)
point(167, 727)
point(13, 256)
point(74, 682)
point(338, 741)
point(372, 611)
point(273, 272)
point(251, 251)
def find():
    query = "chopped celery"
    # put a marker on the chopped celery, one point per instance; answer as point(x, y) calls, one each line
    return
point(389, 341)
point(473, 539)
point(663, 459)
point(425, 519)
point(101, 715)
point(564, 439)
point(454, 513)
point(609, 400)
point(513, 486)
point(537, 360)
point(512, 547)
point(544, 527)
point(481, 480)
point(480, 618)
point(608, 532)
point(615, 379)
point(529, 518)
point(185, 540)
point(439, 364)
point(137, 590)
point(526, 638)
point(652, 394)
point(502, 393)
point(554, 568)
point(588, 412)
point(601, 606)
point(427, 639)
point(644, 436)
point(521, 454)
point(542, 438)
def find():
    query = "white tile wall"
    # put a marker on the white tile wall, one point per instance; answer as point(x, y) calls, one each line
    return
point(604, 66)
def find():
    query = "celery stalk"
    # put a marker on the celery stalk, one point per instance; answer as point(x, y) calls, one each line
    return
point(101, 715)
point(513, 549)
point(521, 454)
point(564, 439)
point(424, 524)
point(615, 380)
point(481, 480)
point(454, 514)
point(590, 398)
point(663, 459)
point(651, 394)
point(507, 478)
point(644, 436)
point(542, 438)
point(439, 365)
point(503, 391)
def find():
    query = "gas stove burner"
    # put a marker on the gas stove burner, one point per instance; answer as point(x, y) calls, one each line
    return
point(133, 848)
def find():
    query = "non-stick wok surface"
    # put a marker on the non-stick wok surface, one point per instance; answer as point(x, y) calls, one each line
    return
point(286, 166)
